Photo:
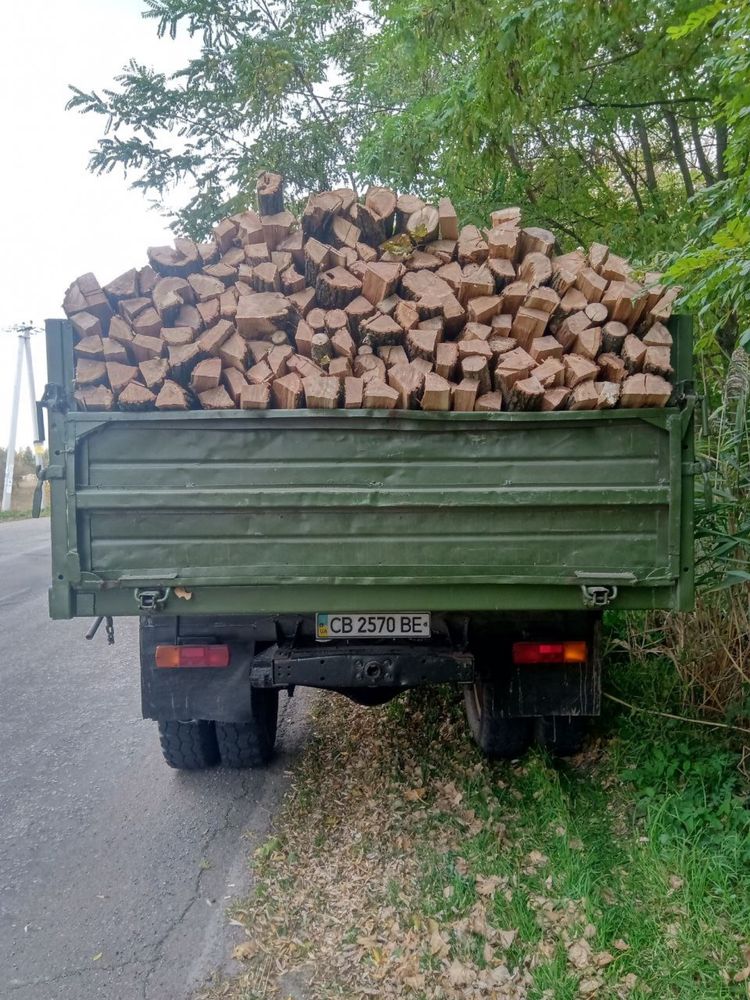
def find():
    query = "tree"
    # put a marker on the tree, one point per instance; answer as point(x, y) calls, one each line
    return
point(588, 113)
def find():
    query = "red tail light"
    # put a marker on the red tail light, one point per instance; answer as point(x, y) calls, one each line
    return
point(549, 652)
point(192, 656)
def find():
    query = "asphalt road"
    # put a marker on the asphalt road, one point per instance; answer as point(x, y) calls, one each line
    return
point(115, 871)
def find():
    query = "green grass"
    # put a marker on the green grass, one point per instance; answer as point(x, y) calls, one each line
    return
point(19, 515)
point(637, 852)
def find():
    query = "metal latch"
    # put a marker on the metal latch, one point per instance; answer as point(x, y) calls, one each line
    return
point(152, 600)
point(599, 595)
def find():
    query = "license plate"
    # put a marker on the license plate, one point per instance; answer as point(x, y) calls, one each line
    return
point(396, 625)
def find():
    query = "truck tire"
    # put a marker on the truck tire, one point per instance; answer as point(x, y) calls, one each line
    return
point(250, 744)
point(188, 746)
point(498, 737)
point(561, 735)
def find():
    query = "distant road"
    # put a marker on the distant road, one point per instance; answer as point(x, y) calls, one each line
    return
point(115, 871)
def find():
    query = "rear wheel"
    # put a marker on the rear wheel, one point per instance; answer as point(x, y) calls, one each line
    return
point(250, 744)
point(498, 737)
point(562, 735)
point(188, 746)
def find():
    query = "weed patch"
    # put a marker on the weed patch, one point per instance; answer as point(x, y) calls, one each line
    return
point(404, 864)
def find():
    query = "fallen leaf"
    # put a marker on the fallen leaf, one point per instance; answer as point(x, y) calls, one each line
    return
point(537, 858)
point(603, 958)
point(459, 974)
point(506, 938)
point(575, 844)
point(487, 885)
point(675, 882)
point(620, 945)
point(579, 954)
point(588, 987)
point(742, 975)
point(186, 595)
point(97, 956)
point(415, 794)
point(244, 951)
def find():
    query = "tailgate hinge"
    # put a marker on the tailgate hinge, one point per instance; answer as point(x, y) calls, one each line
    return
point(153, 599)
point(598, 595)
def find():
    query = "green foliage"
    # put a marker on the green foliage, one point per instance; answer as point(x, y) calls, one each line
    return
point(560, 107)
point(716, 263)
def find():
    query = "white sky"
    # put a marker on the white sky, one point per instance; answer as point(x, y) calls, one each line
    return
point(58, 220)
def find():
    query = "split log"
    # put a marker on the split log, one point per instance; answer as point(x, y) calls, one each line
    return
point(609, 394)
point(407, 382)
point(340, 368)
point(95, 398)
point(543, 299)
point(447, 219)
point(321, 350)
point(446, 359)
point(233, 352)
point(633, 353)
point(464, 395)
point(380, 281)
point(578, 369)
point(474, 349)
point(422, 343)
point(591, 284)
point(513, 296)
point(379, 396)
point(144, 348)
point(555, 399)
point(90, 347)
point(343, 344)
point(336, 288)
point(276, 228)
point(542, 348)
point(657, 361)
point(255, 397)
point(526, 394)
point(506, 217)
point(234, 382)
point(584, 397)
point(536, 240)
point(216, 399)
point(612, 367)
point(597, 256)
point(613, 337)
point(182, 360)
point(423, 225)
point(406, 205)
point(178, 261)
point(135, 397)
point(120, 375)
point(436, 394)
point(120, 331)
point(482, 308)
point(536, 269)
point(277, 359)
point(353, 393)
point(125, 286)
point(321, 392)
point(269, 191)
point(568, 331)
point(503, 273)
point(512, 366)
point(210, 340)
point(406, 315)
point(381, 330)
point(393, 354)
point(476, 368)
point(528, 324)
point(319, 213)
point(476, 331)
point(502, 243)
point(657, 336)
point(114, 351)
point(550, 373)
point(490, 402)
point(382, 203)
point(588, 343)
point(172, 397)
point(147, 324)
point(317, 260)
point(288, 392)
point(259, 315)
point(154, 372)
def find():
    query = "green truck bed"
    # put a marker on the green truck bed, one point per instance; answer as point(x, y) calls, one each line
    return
point(298, 511)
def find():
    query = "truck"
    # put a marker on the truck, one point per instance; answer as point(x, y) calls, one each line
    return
point(366, 553)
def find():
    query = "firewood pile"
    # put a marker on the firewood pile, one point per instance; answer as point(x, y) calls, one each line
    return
point(382, 304)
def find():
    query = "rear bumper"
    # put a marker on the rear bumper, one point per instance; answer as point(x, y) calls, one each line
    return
point(361, 666)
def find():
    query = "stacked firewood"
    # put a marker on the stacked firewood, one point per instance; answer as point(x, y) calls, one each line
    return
point(382, 304)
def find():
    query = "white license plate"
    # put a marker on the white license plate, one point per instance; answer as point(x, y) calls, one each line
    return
point(396, 625)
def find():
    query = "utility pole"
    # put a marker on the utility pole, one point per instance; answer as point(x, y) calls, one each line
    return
point(24, 352)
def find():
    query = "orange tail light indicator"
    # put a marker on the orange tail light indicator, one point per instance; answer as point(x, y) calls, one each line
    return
point(192, 656)
point(549, 652)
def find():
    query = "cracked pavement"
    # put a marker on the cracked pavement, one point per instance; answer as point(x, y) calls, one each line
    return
point(115, 871)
